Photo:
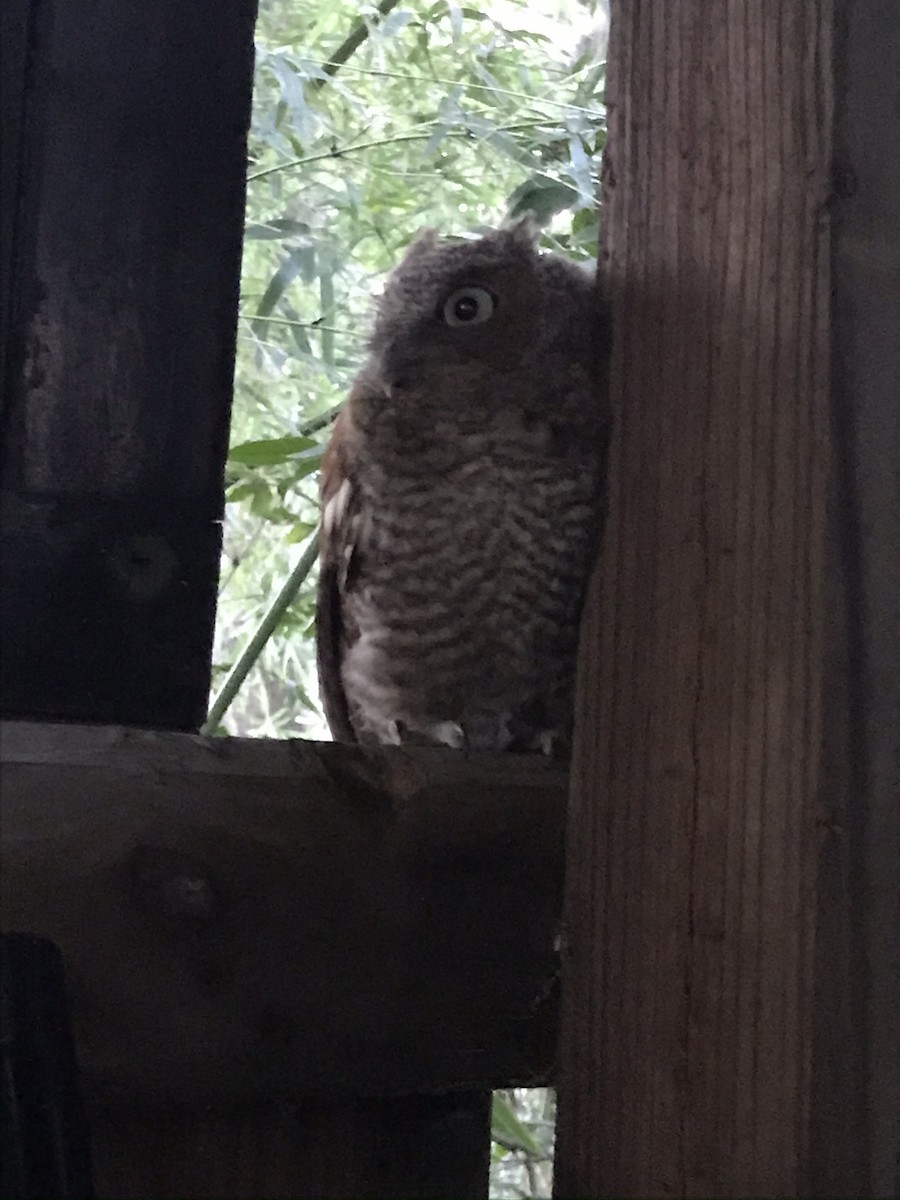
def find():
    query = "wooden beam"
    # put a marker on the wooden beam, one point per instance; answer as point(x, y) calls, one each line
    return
point(122, 186)
point(249, 920)
point(856, 1064)
point(407, 1149)
point(698, 830)
point(18, 32)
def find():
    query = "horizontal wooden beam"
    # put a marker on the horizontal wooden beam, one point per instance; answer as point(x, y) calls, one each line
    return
point(249, 919)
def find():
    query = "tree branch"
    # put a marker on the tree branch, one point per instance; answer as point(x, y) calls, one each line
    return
point(353, 41)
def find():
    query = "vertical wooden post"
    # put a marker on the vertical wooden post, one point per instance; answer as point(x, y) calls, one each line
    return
point(122, 186)
point(712, 902)
point(731, 1000)
point(855, 1148)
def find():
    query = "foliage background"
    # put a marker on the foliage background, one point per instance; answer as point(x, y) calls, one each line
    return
point(370, 123)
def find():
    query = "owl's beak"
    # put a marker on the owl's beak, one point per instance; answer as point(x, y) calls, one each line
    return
point(400, 371)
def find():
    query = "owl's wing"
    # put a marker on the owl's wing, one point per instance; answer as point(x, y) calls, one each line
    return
point(340, 521)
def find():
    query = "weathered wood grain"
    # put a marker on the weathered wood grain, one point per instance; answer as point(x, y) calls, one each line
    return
point(697, 824)
point(123, 197)
point(246, 920)
point(856, 1082)
point(19, 27)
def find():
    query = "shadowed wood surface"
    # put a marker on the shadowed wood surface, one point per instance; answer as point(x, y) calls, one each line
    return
point(409, 1148)
point(248, 920)
point(697, 824)
point(124, 158)
point(856, 1143)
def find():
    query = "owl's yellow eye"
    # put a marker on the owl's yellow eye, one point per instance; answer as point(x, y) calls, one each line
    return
point(468, 306)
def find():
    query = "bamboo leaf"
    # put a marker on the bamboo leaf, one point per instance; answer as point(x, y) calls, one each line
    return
point(269, 451)
point(275, 230)
point(541, 199)
point(301, 260)
point(508, 1130)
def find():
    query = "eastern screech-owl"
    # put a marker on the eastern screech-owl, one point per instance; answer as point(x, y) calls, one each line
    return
point(461, 493)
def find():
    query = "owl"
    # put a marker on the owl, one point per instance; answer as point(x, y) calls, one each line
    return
point(461, 494)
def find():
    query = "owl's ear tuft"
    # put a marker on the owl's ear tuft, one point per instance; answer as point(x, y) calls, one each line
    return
point(525, 231)
point(424, 241)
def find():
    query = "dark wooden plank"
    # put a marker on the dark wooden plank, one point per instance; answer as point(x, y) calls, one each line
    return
point(411, 1149)
point(19, 30)
point(856, 1062)
point(121, 308)
point(250, 920)
point(696, 836)
point(43, 1135)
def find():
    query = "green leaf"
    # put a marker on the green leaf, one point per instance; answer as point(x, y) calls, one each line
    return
point(241, 491)
point(456, 20)
point(277, 229)
point(299, 533)
point(508, 1130)
point(267, 452)
point(392, 24)
point(300, 261)
point(305, 464)
point(541, 199)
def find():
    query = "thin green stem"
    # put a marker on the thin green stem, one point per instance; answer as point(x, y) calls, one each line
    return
point(239, 558)
point(267, 626)
point(326, 300)
point(343, 151)
point(322, 421)
point(300, 324)
point(486, 87)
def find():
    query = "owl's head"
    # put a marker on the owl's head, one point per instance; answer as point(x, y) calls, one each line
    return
point(455, 315)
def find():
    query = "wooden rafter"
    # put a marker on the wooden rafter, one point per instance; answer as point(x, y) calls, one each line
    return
point(249, 920)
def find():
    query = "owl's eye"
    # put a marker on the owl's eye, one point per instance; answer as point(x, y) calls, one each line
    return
point(468, 306)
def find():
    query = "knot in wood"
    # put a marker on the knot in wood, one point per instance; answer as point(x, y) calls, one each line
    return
point(171, 885)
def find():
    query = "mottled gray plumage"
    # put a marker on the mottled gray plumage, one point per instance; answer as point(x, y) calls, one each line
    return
point(461, 497)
